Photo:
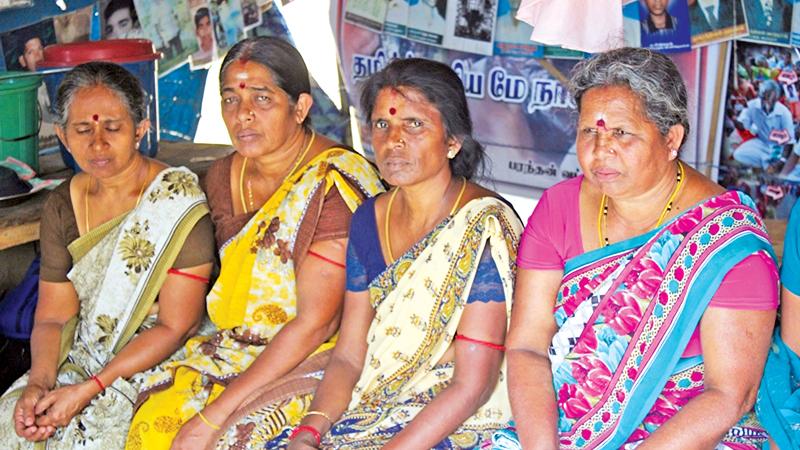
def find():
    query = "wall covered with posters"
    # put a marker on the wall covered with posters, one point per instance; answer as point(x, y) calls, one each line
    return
point(189, 34)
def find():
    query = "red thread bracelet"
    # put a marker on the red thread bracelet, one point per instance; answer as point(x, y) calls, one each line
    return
point(96, 379)
point(337, 264)
point(461, 337)
point(314, 432)
point(188, 275)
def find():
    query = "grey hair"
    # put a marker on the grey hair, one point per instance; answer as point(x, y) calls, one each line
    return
point(653, 77)
point(99, 73)
point(769, 86)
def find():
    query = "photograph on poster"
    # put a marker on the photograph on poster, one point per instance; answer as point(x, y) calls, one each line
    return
point(762, 114)
point(204, 32)
point(23, 50)
point(228, 23)
point(475, 19)
point(716, 20)
point(120, 20)
point(769, 21)
point(73, 27)
point(470, 26)
point(171, 28)
point(426, 21)
point(251, 14)
point(366, 13)
point(665, 25)
point(396, 17)
point(512, 37)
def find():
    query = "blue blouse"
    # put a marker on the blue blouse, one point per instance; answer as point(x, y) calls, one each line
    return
point(365, 259)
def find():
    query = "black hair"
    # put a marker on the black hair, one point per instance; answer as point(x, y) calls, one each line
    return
point(115, 5)
point(284, 62)
point(440, 86)
point(199, 14)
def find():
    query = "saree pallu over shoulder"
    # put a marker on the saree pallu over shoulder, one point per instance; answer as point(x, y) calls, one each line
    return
point(118, 270)
point(778, 401)
point(253, 298)
point(255, 294)
point(624, 315)
point(418, 301)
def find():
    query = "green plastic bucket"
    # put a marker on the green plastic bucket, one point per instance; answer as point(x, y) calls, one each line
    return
point(20, 117)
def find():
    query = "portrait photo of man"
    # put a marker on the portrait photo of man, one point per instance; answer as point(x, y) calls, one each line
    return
point(120, 20)
point(204, 32)
point(714, 20)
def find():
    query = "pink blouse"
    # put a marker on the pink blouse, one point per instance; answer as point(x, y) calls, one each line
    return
point(553, 235)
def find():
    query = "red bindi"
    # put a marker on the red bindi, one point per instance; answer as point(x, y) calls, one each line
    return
point(95, 117)
point(601, 123)
point(392, 110)
point(242, 85)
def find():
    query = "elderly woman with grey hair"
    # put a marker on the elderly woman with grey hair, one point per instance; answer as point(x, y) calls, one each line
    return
point(116, 237)
point(645, 294)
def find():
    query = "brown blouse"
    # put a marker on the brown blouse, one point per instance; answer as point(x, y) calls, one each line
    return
point(59, 228)
point(326, 219)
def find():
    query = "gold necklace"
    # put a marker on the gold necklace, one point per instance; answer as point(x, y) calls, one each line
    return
point(300, 157)
point(602, 212)
point(389, 211)
point(86, 198)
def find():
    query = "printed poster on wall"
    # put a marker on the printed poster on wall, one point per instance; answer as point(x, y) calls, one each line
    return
point(665, 25)
point(512, 37)
point(366, 13)
point(716, 21)
point(769, 21)
point(470, 25)
point(396, 17)
point(168, 25)
point(23, 50)
point(426, 21)
point(760, 149)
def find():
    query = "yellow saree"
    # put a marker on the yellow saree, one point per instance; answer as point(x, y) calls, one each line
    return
point(254, 297)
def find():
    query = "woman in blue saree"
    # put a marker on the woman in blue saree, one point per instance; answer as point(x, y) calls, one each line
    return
point(646, 294)
point(778, 404)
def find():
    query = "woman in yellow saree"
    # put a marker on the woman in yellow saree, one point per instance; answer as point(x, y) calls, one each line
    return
point(281, 204)
point(124, 232)
point(420, 359)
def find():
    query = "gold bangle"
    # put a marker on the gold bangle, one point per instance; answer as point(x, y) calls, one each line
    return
point(320, 413)
point(208, 422)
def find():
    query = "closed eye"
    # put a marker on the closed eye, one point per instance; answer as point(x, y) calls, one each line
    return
point(620, 132)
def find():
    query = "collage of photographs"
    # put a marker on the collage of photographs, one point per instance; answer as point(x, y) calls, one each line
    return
point(197, 31)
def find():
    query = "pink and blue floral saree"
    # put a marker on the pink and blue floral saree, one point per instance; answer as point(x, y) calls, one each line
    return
point(626, 312)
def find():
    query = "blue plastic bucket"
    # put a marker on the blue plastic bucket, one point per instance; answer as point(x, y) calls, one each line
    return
point(136, 55)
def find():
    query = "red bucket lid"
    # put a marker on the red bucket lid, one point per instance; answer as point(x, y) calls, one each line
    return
point(115, 50)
